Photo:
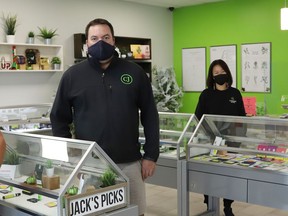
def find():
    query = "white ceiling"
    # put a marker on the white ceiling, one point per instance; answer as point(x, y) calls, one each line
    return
point(172, 3)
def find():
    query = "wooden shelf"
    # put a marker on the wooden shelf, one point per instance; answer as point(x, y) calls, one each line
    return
point(31, 45)
point(123, 43)
point(29, 71)
point(44, 50)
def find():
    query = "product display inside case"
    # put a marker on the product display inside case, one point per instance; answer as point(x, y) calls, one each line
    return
point(46, 175)
point(237, 158)
point(242, 141)
point(26, 117)
point(176, 130)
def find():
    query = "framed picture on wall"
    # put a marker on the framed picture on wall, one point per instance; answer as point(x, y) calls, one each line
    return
point(228, 54)
point(256, 67)
point(194, 69)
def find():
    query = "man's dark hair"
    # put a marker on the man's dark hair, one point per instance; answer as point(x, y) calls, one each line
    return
point(210, 80)
point(98, 21)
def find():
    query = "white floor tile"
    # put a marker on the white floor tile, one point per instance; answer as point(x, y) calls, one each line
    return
point(162, 201)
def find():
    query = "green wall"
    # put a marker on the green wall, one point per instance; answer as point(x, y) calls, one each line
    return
point(234, 22)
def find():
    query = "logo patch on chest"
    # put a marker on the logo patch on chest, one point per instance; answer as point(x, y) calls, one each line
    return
point(232, 100)
point(126, 79)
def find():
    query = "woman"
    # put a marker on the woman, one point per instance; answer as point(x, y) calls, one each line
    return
point(2, 148)
point(221, 99)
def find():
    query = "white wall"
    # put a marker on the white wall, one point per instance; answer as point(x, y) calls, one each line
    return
point(69, 17)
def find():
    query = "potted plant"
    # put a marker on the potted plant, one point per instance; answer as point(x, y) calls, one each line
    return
point(108, 178)
point(31, 36)
point(123, 52)
point(11, 164)
point(31, 180)
point(47, 34)
point(50, 180)
point(56, 63)
point(167, 94)
point(9, 27)
point(73, 190)
point(12, 158)
point(49, 168)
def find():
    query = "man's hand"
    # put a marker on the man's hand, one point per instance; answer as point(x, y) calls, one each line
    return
point(148, 168)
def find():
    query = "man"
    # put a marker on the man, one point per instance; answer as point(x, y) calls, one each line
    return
point(102, 96)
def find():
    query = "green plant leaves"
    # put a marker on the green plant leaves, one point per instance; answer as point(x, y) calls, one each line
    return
point(47, 33)
point(10, 23)
point(108, 178)
point(167, 94)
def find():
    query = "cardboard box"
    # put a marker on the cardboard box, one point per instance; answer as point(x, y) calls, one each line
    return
point(44, 62)
point(35, 67)
point(51, 183)
point(22, 67)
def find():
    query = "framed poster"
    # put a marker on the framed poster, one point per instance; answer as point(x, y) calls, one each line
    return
point(194, 69)
point(228, 54)
point(256, 66)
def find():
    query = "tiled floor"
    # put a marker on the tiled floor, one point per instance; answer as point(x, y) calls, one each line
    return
point(162, 201)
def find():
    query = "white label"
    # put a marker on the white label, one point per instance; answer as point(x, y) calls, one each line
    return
point(217, 142)
point(7, 171)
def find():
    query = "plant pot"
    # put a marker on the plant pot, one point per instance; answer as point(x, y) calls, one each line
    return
point(47, 41)
point(51, 183)
point(56, 66)
point(10, 39)
point(30, 40)
point(129, 54)
point(17, 171)
point(50, 172)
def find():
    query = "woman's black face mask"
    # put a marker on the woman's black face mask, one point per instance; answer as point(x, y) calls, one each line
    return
point(221, 79)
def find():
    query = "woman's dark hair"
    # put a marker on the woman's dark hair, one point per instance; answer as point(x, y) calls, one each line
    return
point(98, 21)
point(210, 82)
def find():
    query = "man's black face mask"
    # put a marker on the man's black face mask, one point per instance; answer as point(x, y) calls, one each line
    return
point(101, 51)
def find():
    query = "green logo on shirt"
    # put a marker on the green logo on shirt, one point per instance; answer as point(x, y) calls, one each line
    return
point(126, 79)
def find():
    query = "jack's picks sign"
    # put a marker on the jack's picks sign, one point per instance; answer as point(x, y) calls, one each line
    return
point(97, 202)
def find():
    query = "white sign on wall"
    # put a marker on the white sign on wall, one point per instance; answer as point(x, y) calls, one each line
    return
point(256, 66)
point(194, 69)
point(228, 54)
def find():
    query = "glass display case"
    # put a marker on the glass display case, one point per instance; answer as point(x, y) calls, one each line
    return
point(238, 158)
point(28, 117)
point(84, 180)
point(175, 131)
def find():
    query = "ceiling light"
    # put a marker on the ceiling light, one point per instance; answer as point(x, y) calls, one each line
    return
point(284, 18)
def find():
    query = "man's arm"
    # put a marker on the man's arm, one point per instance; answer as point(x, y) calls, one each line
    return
point(61, 113)
point(150, 120)
point(148, 168)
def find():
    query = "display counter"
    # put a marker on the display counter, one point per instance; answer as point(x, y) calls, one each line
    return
point(244, 159)
point(25, 118)
point(84, 180)
point(175, 131)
